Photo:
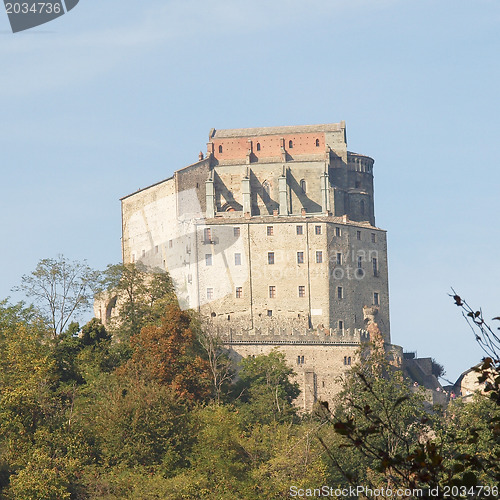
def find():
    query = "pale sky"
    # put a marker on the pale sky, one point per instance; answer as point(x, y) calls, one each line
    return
point(118, 94)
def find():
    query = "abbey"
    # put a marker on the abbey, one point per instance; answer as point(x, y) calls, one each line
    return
point(271, 236)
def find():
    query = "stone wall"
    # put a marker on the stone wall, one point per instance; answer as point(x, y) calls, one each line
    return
point(272, 237)
point(320, 369)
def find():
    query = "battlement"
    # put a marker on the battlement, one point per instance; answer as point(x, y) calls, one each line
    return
point(295, 335)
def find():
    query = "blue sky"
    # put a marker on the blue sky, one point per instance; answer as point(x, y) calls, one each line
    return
point(116, 95)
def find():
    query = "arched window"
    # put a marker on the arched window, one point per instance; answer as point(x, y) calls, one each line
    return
point(220, 149)
point(317, 143)
point(290, 144)
point(258, 146)
point(303, 186)
point(362, 207)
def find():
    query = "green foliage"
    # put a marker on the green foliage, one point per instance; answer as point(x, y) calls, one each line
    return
point(265, 392)
point(67, 346)
point(381, 422)
point(391, 442)
point(143, 295)
point(283, 455)
point(139, 424)
point(93, 333)
point(26, 379)
point(471, 439)
point(43, 478)
point(153, 413)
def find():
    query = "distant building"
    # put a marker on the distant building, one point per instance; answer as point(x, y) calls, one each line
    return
point(271, 235)
point(468, 384)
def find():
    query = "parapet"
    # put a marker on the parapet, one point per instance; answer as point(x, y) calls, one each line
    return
point(287, 335)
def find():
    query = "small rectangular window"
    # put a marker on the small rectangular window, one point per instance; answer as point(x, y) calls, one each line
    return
point(374, 238)
point(341, 326)
point(208, 259)
point(360, 262)
point(376, 300)
point(156, 249)
point(270, 230)
point(358, 235)
point(270, 257)
point(319, 256)
point(300, 230)
point(237, 259)
point(375, 266)
point(239, 292)
point(302, 291)
point(317, 229)
point(210, 293)
point(237, 232)
point(339, 259)
point(170, 243)
point(337, 231)
point(269, 312)
point(272, 292)
point(300, 257)
point(340, 294)
point(207, 235)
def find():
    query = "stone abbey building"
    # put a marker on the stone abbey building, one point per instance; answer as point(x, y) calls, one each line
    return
point(271, 235)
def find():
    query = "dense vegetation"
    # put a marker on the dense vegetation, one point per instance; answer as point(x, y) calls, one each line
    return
point(151, 410)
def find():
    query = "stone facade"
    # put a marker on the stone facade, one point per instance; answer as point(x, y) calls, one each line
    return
point(272, 234)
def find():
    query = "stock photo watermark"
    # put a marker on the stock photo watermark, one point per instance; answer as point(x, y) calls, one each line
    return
point(396, 493)
point(26, 14)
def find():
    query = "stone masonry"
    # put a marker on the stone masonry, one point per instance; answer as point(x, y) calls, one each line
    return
point(272, 236)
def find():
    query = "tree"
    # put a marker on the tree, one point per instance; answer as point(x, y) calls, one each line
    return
point(93, 333)
point(472, 430)
point(138, 423)
point(381, 422)
point(142, 295)
point(393, 443)
point(61, 289)
point(266, 392)
point(222, 367)
point(438, 369)
point(171, 355)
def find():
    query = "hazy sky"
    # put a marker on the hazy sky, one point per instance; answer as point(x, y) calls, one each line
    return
point(118, 94)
